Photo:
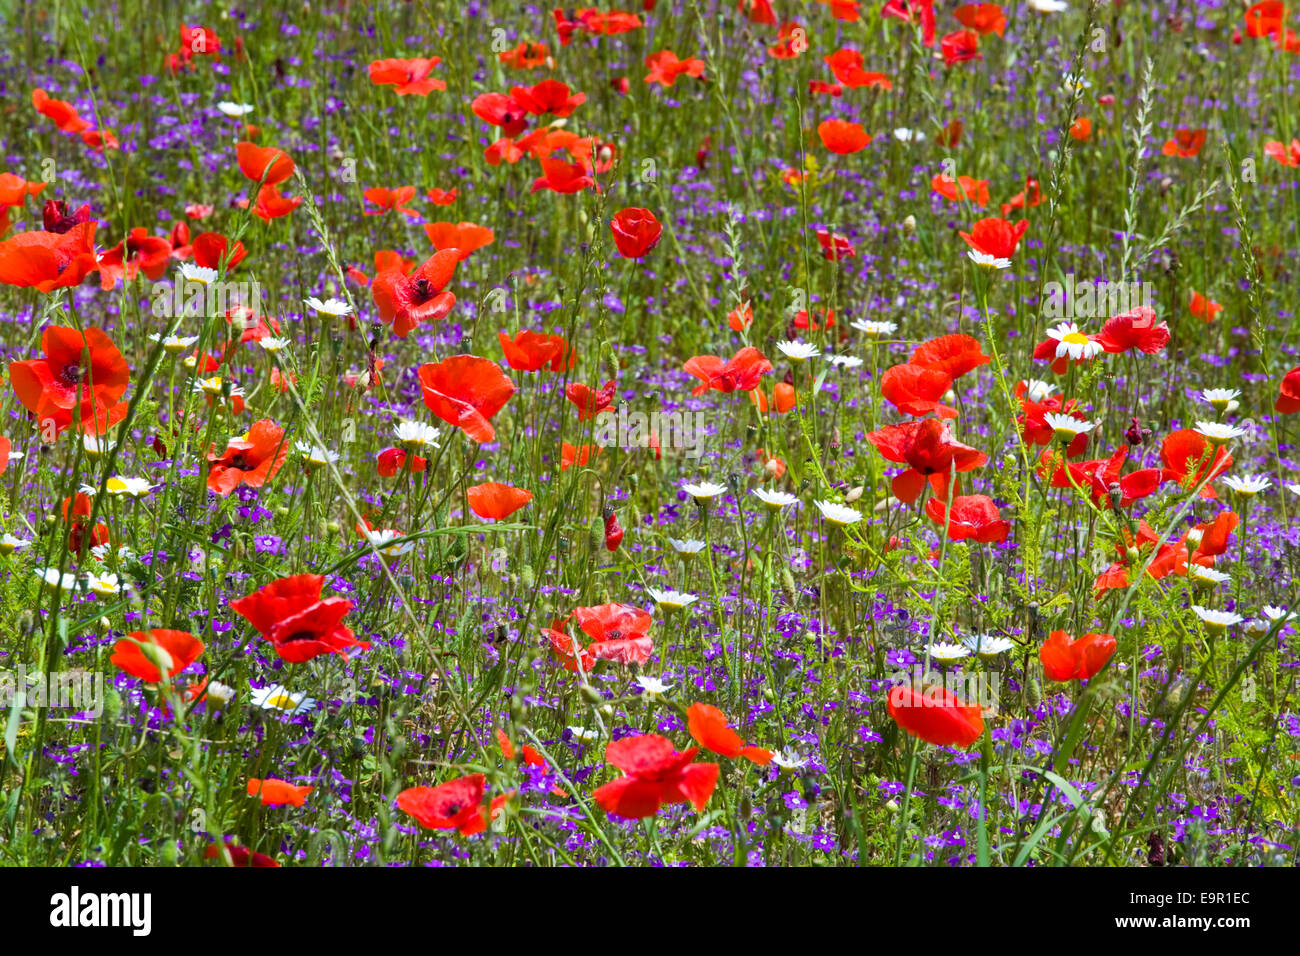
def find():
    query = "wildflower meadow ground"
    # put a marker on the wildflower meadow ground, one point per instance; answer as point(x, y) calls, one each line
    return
point(796, 434)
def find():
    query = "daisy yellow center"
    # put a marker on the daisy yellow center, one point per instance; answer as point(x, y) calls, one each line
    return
point(1075, 338)
point(281, 702)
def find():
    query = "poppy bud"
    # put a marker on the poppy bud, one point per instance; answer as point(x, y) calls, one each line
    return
point(607, 712)
point(590, 694)
point(909, 225)
point(853, 495)
point(1033, 693)
point(1116, 494)
point(613, 533)
point(746, 807)
point(527, 576)
point(26, 622)
point(787, 580)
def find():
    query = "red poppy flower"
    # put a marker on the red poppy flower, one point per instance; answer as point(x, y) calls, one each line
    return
point(847, 65)
point(954, 355)
point(1186, 449)
point(49, 260)
point(816, 322)
point(1284, 154)
point(82, 378)
point(391, 200)
point(239, 855)
point(960, 46)
point(392, 462)
point(271, 204)
point(1028, 198)
point(1101, 475)
point(758, 11)
point(916, 390)
point(496, 501)
point(180, 647)
point(665, 68)
point(995, 237)
point(1288, 394)
point(835, 248)
point(842, 136)
point(976, 190)
point(464, 237)
point(950, 136)
point(549, 97)
point(562, 649)
point(654, 774)
point(791, 41)
point(525, 56)
point(741, 373)
point(410, 77)
point(465, 391)
point(590, 402)
point(1203, 308)
point(570, 455)
point(6, 448)
point(1186, 142)
point(100, 139)
point(929, 450)
point(501, 109)
point(935, 715)
point(915, 12)
point(211, 249)
point(252, 460)
point(256, 161)
point(138, 252)
point(1266, 19)
point(972, 516)
point(636, 231)
point(76, 512)
point(14, 190)
point(441, 197)
point(405, 301)
point(456, 805)
point(278, 793)
point(708, 726)
point(290, 613)
point(561, 177)
point(618, 632)
point(1065, 660)
point(1213, 538)
point(1081, 129)
point(63, 113)
point(1135, 329)
point(824, 88)
point(983, 18)
point(531, 351)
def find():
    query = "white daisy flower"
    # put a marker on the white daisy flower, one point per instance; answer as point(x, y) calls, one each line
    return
point(219, 693)
point(1208, 577)
point(1222, 399)
point(174, 344)
point(96, 445)
point(332, 307)
point(704, 490)
point(986, 261)
point(688, 547)
point(946, 653)
point(382, 540)
point(987, 646)
point(798, 351)
point(789, 761)
point(273, 344)
point(671, 600)
point(905, 135)
point(314, 455)
point(1216, 621)
point(413, 435)
point(278, 697)
point(1218, 433)
point(135, 487)
point(1075, 84)
point(199, 274)
point(234, 110)
point(585, 735)
point(1072, 343)
point(775, 500)
point(1294, 489)
point(1248, 486)
point(9, 544)
point(875, 329)
point(1276, 613)
point(1067, 427)
point(102, 552)
point(1036, 391)
point(846, 361)
point(838, 514)
point(1048, 6)
point(105, 585)
point(652, 687)
point(68, 581)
